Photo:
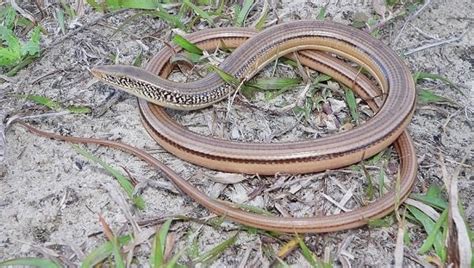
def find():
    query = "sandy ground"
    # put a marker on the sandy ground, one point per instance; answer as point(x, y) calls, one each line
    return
point(50, 195)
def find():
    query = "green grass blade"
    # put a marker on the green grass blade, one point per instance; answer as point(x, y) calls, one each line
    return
point(274, 83)
point(186, 45)
point(31, 262)
point(158, 250)
point(322, 13)
point(102, 252)
point(307, 254)
point(321, 78)
point(426, 96)
point(201, 13)
point(217, 250)
point(41, 100)
point(370, 185)
point(243, 13)
point(142, 4)
point(381, 181)
point(32, 47)
point(422, 75)
point(10, 50)
point(174, 260)
point(228, 78)
point(383, 222)
point(60, 19)
point(95, 5)
point(122, 180)
point(21, 65)
point(8, 16)
point(260, 23)
point(77, 109)
point(428, 224)
point(432, 236)
point(117, 253)
point(68, 9)
point(255, 209)
point(174, 20)
point(352, 104)
point(432, 197)
point(163, 233)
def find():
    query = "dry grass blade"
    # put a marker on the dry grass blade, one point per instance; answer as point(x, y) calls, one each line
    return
point(119, 263)
point(429, 211)
point(398, 254)
point(459, 243)
point(228, 178)
point(107, 230)
point(23, 12)
point(30, 262)
point(2, 146)
point(288, 247)
point(119, 199)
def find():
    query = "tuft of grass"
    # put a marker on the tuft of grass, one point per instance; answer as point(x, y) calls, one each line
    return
point(157, 256)
point(116, 247)
point(429, 225)
point(14, 53)
point(122, 180)
point(102, 252)
point(436, 231)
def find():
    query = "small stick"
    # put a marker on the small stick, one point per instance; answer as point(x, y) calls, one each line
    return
point(442, 42)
